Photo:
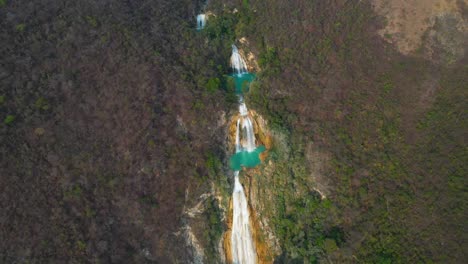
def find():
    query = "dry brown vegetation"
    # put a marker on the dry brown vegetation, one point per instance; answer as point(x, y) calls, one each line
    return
point(112, 124)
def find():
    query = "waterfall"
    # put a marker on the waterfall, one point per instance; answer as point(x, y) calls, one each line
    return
point(243, 251)
point(237, 62)
point(242, 244)
point(201, 21)
point(248, 135)
point(238, 146)
point(243, 109)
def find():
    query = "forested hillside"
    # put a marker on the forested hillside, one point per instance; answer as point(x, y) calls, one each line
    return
point(114, 132)
point(104, 122)
point(389, 128)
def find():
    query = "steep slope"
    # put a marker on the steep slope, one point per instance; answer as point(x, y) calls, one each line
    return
point(379, 133)
point(104, 126)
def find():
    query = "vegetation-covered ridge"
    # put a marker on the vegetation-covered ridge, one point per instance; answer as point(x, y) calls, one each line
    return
point(357, 118)
point(113, 132)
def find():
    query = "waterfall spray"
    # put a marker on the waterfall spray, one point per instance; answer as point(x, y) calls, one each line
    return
point(243, 250)
point(242, 244)
point(238, 145)
point(248, 136)
point(237, 62)
point(201, 21)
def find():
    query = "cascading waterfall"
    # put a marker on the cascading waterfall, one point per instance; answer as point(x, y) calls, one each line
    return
point(243, 109)
point(243, 250)
point(242, 244)
point(201, 21)
point(238, 145)
point(237, 62)
point(248, 135)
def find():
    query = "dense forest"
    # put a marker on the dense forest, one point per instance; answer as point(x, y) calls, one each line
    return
point(114, 127)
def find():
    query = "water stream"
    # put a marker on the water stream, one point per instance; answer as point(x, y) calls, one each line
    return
point(237, 62)
point(243, 250)
point(201, 21)
point(247, 154)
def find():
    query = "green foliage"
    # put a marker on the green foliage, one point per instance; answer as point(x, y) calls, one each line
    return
point(213, 164)
point(41, 103)
point(214, 232)
point(91, 21)
point(302, 232)
point(9, 119)
point(386, 83)
point(2, 99)
point(198, 105)
point(74, 192)
point(3, 3)
point(149, 200)
point(230, 88)
point(246, 17)
point(80, 245)
point(151, 143)
point(323, 49)
point(213, 85)
point(89, 213)
point(329, 245)
point(221, 28)
point(20, 27)
point(269, 61)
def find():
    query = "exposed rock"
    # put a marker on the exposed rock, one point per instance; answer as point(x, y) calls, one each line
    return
point(193, 244)
point(249, 57)
point(441, 20)
point(447, 39)
point(227, 235)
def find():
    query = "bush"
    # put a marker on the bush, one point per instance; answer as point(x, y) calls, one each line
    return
point(9, 119)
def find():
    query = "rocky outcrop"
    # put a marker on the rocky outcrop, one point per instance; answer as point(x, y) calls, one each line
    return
point(437, 29)
point(249, 56)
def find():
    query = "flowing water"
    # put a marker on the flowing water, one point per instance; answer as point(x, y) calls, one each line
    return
point(247, 154)
point(248, 135)
point(237, 62)
point(201, 21)
point(243, 250)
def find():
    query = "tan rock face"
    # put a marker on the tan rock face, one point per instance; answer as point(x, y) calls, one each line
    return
point(249, 57)
point(227, 235)
point(408, 22)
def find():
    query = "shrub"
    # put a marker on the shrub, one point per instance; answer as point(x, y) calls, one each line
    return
point(9, 119)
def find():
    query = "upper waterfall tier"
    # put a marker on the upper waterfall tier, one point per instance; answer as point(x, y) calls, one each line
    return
point(201, 21)
point(237, 62)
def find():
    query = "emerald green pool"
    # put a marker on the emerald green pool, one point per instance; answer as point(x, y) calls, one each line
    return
point(242, 81)
point(246, 159)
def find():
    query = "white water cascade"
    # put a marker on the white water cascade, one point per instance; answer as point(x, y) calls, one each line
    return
point(237, 62)
point(238, 145)
point(248, 135)
point(242, 244)
point(201, 21)
point(243, 250)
